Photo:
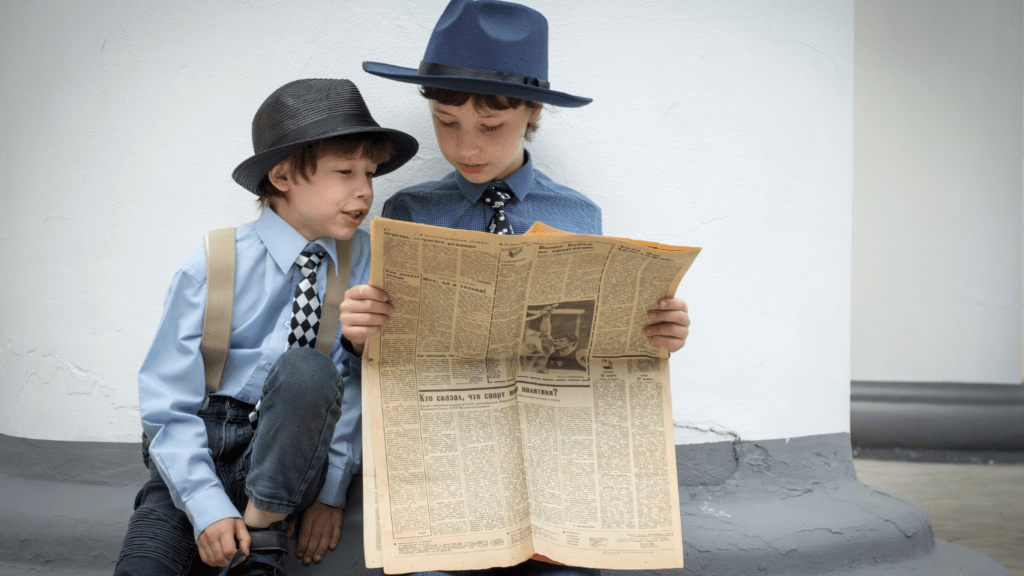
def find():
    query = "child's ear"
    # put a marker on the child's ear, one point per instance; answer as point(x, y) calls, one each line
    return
point(534, 114)
point(280, 174)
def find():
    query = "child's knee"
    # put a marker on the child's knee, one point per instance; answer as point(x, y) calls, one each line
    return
point(313, 370)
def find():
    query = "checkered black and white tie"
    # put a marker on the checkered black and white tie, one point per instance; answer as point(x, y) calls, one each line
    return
point(306, 305)
point(496, 196)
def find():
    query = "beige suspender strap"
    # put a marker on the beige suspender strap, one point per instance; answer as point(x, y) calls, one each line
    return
point(220, 296)
point(333, 295)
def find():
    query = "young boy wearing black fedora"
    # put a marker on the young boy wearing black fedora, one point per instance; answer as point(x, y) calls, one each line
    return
point(484, 72)
point(278, 433)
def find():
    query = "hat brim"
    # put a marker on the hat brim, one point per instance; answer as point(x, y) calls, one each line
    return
point(477, 85)
point(250, 173)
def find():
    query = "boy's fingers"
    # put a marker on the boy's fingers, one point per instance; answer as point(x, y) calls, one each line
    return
point(672, 303)
point(303, 542)
point(667, 335)
point(320, 523)
point(217, 543)
point(355, 305)
point(314, 536)
point(358, 308)
point(302, 547)
point(364, 319)
point(218, 556)
point(336, 535)
point(670, 309)
point(359, 327)
point(326, 537)
point(227, 547)
point(670, 344)
point(366, 292)
point(669, 329)
point(205, 555)
point(332, 535)
point(357, 333)
point(668, 317)
point(306, 542)
point(321, 548)
point(362, 314)
point(244, 539)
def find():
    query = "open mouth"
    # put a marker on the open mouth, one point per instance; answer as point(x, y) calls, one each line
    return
point(355, 214)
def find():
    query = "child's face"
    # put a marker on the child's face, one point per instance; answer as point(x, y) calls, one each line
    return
point(332, 202)
point(484, 145)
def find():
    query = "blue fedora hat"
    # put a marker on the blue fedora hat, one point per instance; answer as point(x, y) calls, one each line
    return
point(486, 47)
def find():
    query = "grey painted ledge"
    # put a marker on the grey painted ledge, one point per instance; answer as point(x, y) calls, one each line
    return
point(938, 422)
point(785, 506)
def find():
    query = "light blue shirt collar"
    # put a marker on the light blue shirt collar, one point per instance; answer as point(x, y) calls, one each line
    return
point(284, 243)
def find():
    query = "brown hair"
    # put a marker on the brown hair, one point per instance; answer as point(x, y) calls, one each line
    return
point(374, 146)
point(481, 102)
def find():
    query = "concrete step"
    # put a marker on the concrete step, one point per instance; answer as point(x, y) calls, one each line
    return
point(769, 507)
point(65, 506)
point(16, 569)
point(53, 523)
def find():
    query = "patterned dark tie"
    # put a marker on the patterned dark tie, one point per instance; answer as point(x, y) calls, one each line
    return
point(306, 305)
point(496, 196)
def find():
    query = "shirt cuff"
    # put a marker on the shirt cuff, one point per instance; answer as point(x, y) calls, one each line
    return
point(208, 507)
point(335, 487)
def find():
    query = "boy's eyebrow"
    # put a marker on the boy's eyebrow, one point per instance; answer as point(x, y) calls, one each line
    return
point(482, 112)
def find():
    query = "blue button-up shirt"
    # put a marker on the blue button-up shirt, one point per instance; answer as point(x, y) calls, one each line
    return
point(172, 383)
point(453, 202)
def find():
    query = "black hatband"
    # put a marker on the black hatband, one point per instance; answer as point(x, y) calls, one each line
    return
point(432, 69)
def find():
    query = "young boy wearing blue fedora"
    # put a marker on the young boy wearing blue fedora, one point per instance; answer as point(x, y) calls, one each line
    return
point(485, 72)
point(232, 457)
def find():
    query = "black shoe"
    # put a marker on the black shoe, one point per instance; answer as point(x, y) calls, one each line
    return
point(266, 549)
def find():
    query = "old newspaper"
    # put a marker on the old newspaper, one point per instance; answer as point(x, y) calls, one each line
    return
point(513, 407)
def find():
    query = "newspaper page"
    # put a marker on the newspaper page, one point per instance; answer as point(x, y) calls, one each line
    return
point(371, 523)
point(515, 406)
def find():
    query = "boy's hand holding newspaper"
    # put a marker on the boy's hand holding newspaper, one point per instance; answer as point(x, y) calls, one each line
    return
point(364, 312)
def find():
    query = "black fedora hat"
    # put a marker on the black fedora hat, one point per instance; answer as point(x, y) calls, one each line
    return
point(486, 47)
point(306, 110)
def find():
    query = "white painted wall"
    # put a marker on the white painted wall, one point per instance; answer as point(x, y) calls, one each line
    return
point(721, 125)
point(937, 191)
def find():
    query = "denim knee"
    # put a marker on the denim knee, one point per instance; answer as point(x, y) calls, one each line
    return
point(315, 371)
point(299, 410)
